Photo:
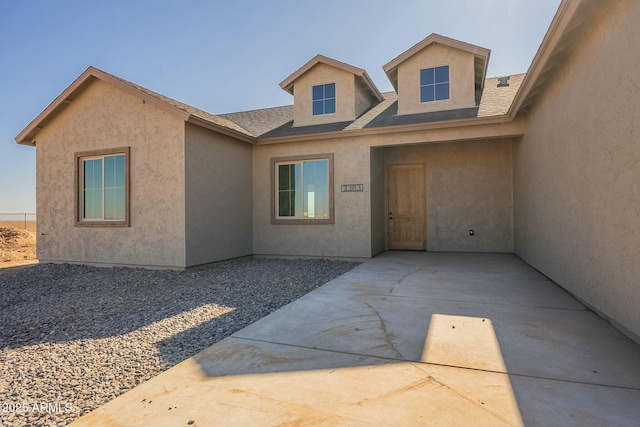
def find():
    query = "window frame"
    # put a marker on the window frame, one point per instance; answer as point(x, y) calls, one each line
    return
point(275, 219)
point(324, 99)
point(80, 157)
point(435, 84)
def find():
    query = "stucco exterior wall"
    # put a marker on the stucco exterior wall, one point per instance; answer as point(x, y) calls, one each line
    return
point(345, 95)
point(461, 80)
point(349, 236)
point(577, 172)
point(468, 186)
point(219, 181)
point(363, 98)
point(101, 117)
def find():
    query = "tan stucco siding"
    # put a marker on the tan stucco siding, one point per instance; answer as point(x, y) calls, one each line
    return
point(349, 236)
point(363, 98)
point(345, 95)
point(468, 187)
point(102, 117)
point(461, 79)
point(577, 172)
point(219, 183)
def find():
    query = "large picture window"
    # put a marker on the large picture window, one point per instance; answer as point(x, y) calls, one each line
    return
point(303, 190)
point(102, 186)
point(434, 84)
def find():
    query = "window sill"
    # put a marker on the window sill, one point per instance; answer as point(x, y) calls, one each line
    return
point(103, 224)
point(275, 221)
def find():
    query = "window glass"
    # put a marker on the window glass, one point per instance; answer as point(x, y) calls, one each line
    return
point(324, 99)
point(316, 189)
point(289, 178)
point(330, 90)
point(434, 84)
point(93, 189)
point(104, 188)
point(318, 92)
point(303, 189)
point(329, 106)
point(442, 91)
point(318, 108)
point(427, 94)
point(441, 74)
point(426, 76)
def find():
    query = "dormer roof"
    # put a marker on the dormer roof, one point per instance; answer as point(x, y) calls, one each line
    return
point(287, 84)
point(481, 58)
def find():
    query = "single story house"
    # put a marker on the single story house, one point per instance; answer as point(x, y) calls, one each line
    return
point(545, 164)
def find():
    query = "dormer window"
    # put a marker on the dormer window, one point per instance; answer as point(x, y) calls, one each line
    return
point(434, 84)
point(324, 99)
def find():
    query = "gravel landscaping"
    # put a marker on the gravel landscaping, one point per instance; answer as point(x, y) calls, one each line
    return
point(74, 337)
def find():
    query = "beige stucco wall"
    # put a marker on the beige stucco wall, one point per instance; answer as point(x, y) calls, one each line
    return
point(363, 98)
point(468, 186)
point(461, 79)
point(349, 236)
point(100, 117)
point(324, 74)
point(219, 183)
point(577, 172)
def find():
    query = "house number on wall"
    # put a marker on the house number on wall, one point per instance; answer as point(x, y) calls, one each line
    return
point(352, 188)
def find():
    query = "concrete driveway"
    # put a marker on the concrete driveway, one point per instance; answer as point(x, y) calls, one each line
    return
point(406, 339)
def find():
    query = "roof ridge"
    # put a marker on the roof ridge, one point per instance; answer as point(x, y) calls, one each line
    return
point(187, 108)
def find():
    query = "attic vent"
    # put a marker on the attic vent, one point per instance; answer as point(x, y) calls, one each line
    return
point(503, 81)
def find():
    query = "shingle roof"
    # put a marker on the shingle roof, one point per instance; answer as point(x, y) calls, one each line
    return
point(259, 122)
point(278, 121)
point(193, 111)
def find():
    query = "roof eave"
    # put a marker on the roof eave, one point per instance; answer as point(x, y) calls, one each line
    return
point(557, 28)
point(220, 129)
point(390, 68)
point(287, 84)
point(445, 124)
point(28, 135)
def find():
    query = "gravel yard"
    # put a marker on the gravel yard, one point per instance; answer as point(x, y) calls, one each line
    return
point(74, 337)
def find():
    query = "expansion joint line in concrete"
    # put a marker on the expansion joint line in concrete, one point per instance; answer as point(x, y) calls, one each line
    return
point(419, 362)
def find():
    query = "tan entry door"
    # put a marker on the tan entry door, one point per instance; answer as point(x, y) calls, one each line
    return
point(407, 207)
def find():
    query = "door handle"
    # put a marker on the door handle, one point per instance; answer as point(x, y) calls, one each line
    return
point(390, 215)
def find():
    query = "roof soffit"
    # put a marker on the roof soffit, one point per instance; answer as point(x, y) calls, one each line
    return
point(481, 57)
point(569, 23)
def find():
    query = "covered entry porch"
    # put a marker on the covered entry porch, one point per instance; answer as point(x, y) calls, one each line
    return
point(454, 196)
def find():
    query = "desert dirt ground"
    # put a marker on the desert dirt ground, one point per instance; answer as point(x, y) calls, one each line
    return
point(17, 244)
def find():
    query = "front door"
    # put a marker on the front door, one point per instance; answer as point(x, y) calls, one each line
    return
point(407, 207)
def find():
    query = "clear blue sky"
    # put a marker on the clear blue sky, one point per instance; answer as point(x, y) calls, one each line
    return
point(225, 56)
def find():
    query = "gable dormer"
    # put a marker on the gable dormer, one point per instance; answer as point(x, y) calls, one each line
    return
point(328, 91)
point(438, 74)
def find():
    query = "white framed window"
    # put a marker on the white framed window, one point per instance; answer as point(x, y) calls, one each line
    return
point(302, 190)
point(434, 84)
point(323, 99)
point(102, 185)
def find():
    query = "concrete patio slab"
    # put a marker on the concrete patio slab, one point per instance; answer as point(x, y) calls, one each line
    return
point(407, 339)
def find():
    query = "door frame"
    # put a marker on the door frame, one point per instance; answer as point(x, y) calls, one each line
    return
point(388, 206)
